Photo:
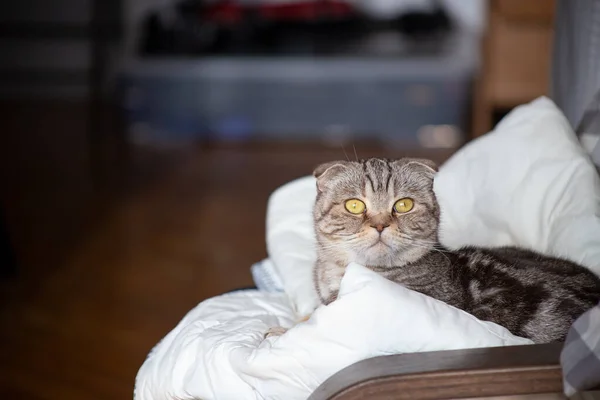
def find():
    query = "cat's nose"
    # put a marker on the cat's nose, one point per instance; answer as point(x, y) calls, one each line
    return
point(379, 227)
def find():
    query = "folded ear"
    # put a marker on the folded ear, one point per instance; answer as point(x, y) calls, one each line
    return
point(327, 171)
point(428, 167)
point(423, 162)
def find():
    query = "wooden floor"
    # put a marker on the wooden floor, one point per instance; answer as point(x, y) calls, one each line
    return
point(78, 325)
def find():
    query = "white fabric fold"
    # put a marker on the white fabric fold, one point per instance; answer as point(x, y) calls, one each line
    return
point(217, 351)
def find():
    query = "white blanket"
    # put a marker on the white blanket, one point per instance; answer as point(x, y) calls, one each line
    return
point(527, 183)
point(217, 351)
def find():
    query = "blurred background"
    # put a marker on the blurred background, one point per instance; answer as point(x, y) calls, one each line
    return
point(140, 140)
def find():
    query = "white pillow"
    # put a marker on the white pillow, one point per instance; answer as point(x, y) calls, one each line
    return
point(217, 350)
point(291, 241)
point(528, 183)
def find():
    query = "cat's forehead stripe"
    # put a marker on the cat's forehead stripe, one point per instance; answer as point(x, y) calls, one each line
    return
point(389, 177)
point(367, 170)
point(376, 172)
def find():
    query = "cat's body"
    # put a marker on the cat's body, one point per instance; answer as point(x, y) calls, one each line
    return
point(384, 214)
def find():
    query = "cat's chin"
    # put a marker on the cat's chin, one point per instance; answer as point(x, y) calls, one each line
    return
point(382, 255)
point(379, 254)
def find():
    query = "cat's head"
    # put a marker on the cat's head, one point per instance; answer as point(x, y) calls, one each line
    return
point(376, 212)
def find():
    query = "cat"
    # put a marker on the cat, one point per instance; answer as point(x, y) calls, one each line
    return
point(384, 214)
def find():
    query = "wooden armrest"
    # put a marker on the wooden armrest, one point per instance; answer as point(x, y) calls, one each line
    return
point(497, 371)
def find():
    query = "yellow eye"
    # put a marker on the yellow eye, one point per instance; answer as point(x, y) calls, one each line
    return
point(404, 205)
point(355, 206)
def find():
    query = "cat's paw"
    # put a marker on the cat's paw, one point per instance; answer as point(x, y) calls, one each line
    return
point(304, 319)
point(275, 331)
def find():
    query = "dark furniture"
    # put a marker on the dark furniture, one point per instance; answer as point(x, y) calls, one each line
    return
point(516, 372)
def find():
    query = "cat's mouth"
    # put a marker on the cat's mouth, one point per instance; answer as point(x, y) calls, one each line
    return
point(379, 242)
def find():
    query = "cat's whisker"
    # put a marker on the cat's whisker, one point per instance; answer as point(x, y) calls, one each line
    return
point(429, 247)
point(405, 236)
point(433, 248)
point(442, 253)
point(431, 244)
point(414, 238)
point(427, 244)
point(346, 154)
point(421, 241)
point(355, 154)
point(330, 246)
point(333, 246)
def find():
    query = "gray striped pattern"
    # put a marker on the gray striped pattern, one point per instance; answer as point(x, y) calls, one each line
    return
point(580, 358)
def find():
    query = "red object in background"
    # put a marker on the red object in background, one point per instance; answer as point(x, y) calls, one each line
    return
point(306, 10)
point(230, 12)
point(225, 12)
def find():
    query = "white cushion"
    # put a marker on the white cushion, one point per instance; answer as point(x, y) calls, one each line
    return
point(528, 183)
point(217, 350)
